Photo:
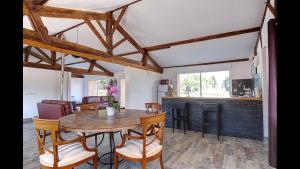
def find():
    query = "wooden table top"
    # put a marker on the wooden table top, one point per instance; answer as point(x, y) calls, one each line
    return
point(98, 121)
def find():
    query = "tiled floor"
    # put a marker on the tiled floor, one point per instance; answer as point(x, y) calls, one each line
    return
point(189, 151)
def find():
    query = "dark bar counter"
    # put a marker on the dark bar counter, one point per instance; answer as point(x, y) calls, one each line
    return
point(240, 117)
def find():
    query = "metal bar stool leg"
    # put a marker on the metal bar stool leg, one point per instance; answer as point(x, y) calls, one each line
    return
point(173, 119)
point(203, 125)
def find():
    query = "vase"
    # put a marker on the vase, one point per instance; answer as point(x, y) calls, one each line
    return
point(110, 111)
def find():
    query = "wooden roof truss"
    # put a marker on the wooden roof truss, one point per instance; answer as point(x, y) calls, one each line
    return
point(39, 38)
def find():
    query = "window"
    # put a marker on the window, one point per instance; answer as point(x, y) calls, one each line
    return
point(97, 87)
point(206, 84)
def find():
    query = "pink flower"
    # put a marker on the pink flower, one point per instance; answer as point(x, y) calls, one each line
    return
point(111, 90)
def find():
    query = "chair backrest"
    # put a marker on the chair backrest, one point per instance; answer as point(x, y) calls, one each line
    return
point(91, 106)
point(153, 107)
point(50, 111)
point(67, 105)
point(156, 124)
point(41, 127)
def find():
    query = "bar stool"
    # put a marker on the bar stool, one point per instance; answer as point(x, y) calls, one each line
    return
point(180, 113)
point(211, 108)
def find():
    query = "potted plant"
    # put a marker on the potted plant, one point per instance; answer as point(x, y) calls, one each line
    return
point(112, 90)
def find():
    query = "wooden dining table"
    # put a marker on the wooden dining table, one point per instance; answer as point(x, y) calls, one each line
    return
point(98, 121)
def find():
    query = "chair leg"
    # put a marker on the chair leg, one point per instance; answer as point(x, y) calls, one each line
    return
point(161, 162)
point(203, 121)
point(173, 121)
point(116, 161)
point(184, 127)
point(95, 160)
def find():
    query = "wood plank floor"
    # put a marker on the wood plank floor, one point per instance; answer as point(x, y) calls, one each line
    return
point(189, 151)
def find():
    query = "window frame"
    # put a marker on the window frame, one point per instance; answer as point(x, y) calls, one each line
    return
point(200, 72)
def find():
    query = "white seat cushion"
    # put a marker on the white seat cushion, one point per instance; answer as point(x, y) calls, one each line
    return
point(67, 154)
point(134, 148)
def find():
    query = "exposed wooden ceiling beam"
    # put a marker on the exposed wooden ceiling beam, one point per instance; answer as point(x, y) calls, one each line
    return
point(75, 75)
point(261, 25)
point(36, 55)
point(109, 34)
point(98, 66)
point(36, 20)
point(119, 42)
point(68, 69)
point(272, 9)
point(94, 30)
point(42, 52)
point(31, 35)
point(92, 64)
point(53, 58)
point(74, 63)
point(127, 53)
point(31, 38)
point(39, 2)
point(26, 52)
point(47, 11)
point(136, 45)
point(65, 30)
point(145, 58)
point(116, 24)
point(204, 38)
point(210, 63)
point(101, 26)
point(126, 5)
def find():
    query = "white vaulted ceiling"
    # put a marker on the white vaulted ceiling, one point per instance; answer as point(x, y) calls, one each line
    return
point(154, 22)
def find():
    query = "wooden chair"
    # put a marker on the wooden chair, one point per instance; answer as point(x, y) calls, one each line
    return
point(92, 107)
point(143, 148)
point(88, 106)
point(153, 107)
point(63, 154)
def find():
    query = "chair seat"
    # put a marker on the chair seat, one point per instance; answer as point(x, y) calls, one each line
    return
point(134, 148)
point(68, 154)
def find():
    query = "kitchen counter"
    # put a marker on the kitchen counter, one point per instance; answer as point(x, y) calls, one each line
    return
point(240, 117)
point(221, 98)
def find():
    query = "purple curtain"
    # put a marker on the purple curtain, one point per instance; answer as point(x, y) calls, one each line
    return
point(272, 43)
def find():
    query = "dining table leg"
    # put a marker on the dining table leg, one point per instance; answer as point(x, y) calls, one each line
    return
point(111, 153)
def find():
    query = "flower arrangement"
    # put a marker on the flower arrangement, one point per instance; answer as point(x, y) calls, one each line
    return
point(112, 90)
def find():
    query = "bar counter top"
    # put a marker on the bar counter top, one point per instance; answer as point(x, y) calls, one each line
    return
point(221, 98)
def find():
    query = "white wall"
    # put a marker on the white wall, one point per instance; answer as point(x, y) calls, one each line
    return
point(76, 88)
point(39, 84)
point(141, 87)
point(237, 70)
point(263, 68)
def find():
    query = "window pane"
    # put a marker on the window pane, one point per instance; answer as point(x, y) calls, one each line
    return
point(189, 85)
point(215, 84)
point(102, 87)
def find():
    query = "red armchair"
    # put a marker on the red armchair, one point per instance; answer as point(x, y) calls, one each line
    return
point(54, 109)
